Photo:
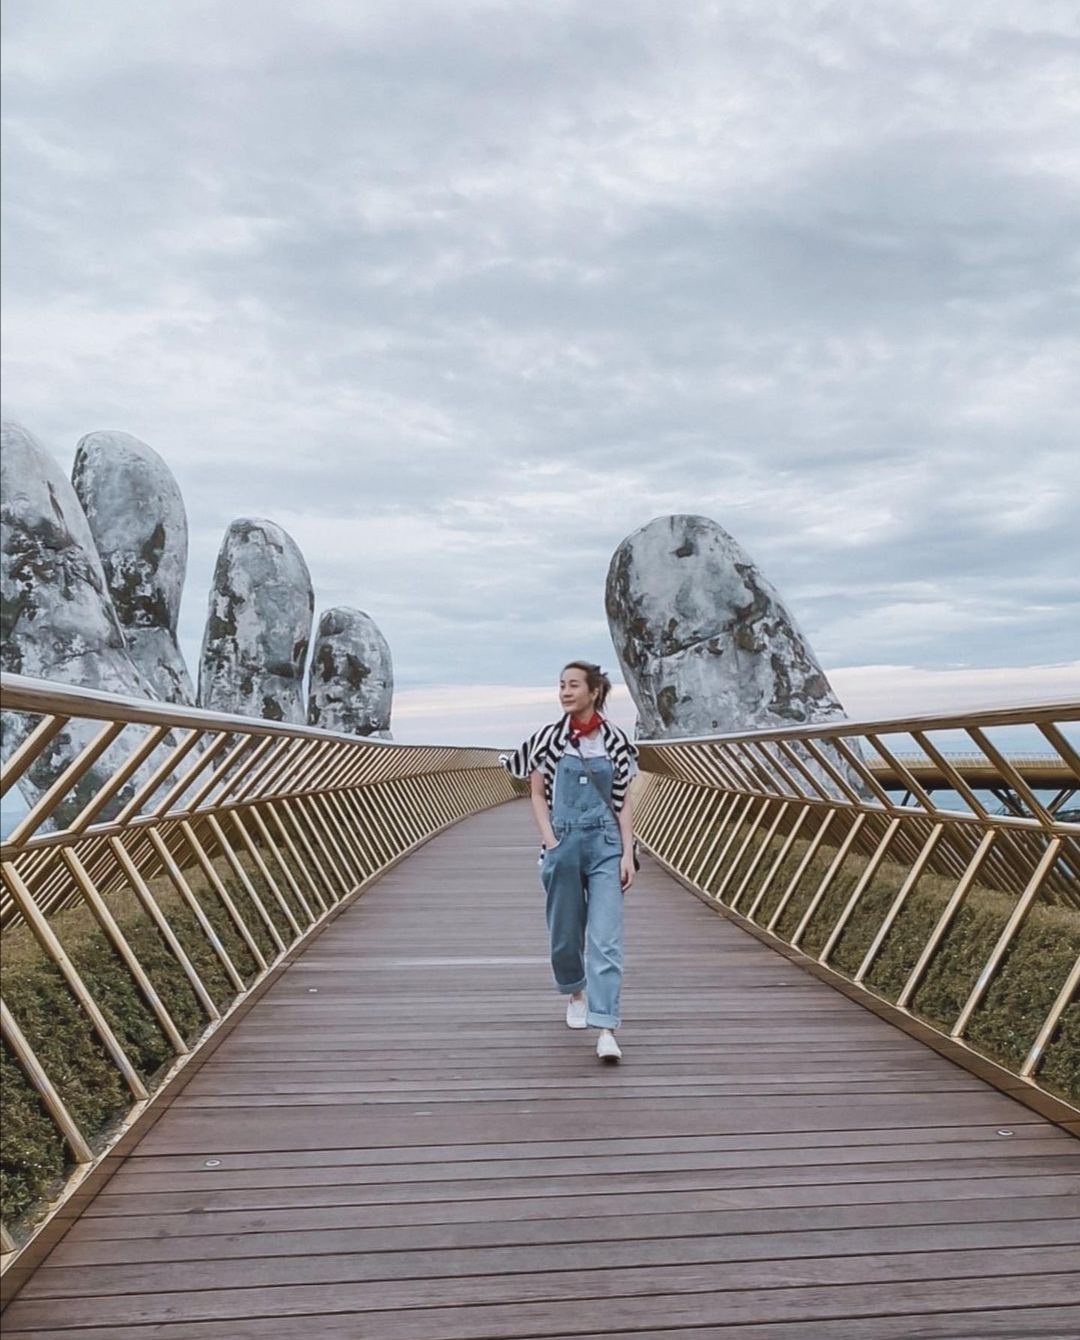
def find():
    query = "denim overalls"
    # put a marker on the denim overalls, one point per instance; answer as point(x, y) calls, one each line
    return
point(584, 897)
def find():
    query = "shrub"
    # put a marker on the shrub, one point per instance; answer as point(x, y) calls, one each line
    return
point(34, 1160)
point(1008, 1018)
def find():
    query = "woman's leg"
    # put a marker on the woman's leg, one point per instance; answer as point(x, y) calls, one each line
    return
point(604, 934)
point(562, 878)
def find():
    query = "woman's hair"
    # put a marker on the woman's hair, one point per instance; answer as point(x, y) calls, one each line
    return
point(597, 681)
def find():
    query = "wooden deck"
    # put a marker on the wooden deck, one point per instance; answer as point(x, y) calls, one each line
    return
point(403, 1141)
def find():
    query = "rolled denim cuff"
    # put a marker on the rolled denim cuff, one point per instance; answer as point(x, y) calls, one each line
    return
point(569, 990)
point(601, 1020)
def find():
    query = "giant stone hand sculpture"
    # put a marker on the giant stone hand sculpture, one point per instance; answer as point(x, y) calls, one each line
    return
point(352, 676)
point(706, 644)
point(139, 525)
point(258, 625)
point(92, 574)
point(58, 621)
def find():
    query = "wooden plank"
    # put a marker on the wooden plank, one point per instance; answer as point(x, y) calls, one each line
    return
point(610, 1216)
point(569, 1304)
point(1058, 1179)
point(403, 1140)
point(1029, 1322)
point(352, 1125)
point(326, 1262)
point(951, 1140)
point(924, 1160)
point(429, 1249)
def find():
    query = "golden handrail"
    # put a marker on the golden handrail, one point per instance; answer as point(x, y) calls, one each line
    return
point(818, 839)
point(228, 839)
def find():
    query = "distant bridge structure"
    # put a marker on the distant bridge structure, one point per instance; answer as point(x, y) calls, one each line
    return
point(281, 1055)
point(1013, 786)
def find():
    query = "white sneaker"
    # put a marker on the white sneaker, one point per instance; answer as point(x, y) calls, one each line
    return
point(607, 1048)
point(575, 1012)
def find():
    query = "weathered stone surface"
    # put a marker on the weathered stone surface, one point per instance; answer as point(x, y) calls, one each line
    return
point(139, 525)
point(58, 622)
point(706, 644)
point(258, 625)
point(351, 686)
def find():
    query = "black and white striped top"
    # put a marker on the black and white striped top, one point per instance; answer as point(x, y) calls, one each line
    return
point(544, 749)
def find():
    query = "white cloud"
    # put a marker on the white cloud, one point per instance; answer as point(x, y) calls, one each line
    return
point(461, 295)
point(490, 714)
point(878, 691)
point(504, 714)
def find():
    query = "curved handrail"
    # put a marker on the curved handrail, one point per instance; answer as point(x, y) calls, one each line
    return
point(204, 849)
point(796, 834)
point(224, 842)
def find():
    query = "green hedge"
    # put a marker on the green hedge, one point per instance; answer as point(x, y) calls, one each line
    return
point(34, 1160)
point(1008, 1019)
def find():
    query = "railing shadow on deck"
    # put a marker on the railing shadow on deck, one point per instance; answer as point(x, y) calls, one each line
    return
point(176, 860)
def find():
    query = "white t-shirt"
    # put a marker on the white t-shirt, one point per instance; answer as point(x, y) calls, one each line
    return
point(591, 746)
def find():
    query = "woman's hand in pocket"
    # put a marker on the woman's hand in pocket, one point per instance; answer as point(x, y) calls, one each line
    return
point(545, 851)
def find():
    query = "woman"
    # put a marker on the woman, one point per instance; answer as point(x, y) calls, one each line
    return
point(579, 771)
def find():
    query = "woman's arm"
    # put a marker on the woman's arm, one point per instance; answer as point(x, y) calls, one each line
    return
point(626, 832)
point(540, 808)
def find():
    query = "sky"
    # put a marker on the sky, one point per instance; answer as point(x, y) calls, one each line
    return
point(461, 294)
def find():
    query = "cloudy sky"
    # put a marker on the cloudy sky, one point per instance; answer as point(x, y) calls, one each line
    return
point(462, 293)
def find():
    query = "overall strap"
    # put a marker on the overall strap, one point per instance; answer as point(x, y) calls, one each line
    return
point(596, 784)
point(589, 773)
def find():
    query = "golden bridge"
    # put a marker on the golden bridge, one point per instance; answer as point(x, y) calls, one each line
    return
point(281, 1057)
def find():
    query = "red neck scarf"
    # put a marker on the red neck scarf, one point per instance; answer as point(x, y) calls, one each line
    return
point(579, 729)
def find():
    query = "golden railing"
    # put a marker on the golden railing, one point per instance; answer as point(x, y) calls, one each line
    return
point(177, 859)
point(218, 844)
point(836, 845)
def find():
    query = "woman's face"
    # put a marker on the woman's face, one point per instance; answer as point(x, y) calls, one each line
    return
point(574, 693)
